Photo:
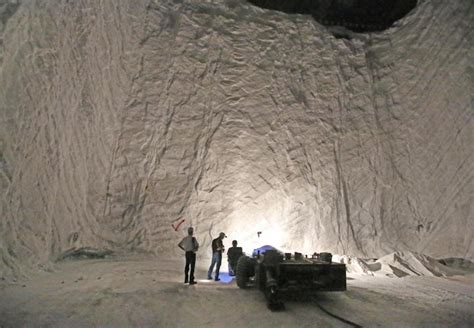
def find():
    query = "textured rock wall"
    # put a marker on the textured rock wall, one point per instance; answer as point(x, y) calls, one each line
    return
point(119, 118)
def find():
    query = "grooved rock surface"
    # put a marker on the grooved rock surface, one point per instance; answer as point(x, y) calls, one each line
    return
point(121, 118)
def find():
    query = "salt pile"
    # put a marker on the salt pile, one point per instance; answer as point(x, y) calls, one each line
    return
point(402, 263)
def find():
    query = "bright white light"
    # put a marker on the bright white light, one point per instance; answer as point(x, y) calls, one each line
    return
point(265, 216)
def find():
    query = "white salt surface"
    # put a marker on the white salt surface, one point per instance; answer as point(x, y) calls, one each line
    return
point(401, 264)
point(121, 118)
point(148, 292)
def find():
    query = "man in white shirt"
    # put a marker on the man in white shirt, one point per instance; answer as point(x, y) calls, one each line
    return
point(190, 245)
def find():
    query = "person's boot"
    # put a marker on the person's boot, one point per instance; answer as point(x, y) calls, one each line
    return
point(186, 279)
point(192, 282)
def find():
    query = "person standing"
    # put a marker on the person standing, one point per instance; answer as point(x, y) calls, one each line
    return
point(233, 255)
point(189, 245)
point(217, 249)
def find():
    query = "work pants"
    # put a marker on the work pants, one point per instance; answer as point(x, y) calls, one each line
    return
point(190, 262)
point(216, 260)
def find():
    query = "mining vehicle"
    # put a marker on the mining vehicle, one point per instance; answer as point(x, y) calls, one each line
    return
point(277, 274)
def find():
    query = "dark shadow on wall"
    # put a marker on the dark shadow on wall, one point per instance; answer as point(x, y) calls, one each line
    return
point(355, 15)
point(7, 10)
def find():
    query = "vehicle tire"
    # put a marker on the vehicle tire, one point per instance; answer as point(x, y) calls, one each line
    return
point(243, 271)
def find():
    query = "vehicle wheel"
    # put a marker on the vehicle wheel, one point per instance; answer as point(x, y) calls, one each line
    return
point(243, 271)
point(274, 303)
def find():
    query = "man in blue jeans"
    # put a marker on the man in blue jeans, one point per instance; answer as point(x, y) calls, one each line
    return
point(217, 249)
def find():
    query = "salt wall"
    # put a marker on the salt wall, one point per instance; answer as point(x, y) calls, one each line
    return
point(121, 118)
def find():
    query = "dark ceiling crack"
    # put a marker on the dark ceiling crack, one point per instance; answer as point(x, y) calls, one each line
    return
point(356, 15)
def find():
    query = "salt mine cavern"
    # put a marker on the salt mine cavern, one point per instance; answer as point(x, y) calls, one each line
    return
point(329, 143)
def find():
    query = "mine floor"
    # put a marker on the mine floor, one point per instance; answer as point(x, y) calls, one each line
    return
point(148, 292)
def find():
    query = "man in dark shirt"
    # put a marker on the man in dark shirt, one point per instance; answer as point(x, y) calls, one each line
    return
point(217, 249)
point(233, 255)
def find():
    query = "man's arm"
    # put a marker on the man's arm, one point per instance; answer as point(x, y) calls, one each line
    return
point(180, 245)
point(220, 246)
